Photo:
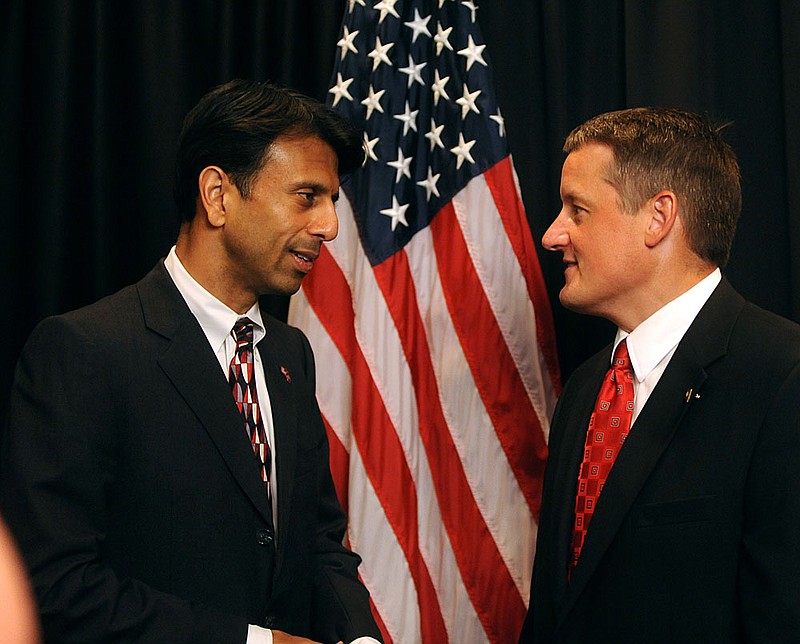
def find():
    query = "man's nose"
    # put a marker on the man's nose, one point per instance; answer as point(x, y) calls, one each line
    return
point(326, 222)
point(556, 235)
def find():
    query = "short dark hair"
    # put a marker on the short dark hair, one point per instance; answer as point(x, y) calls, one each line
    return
point(234, 126)
point(669, 149)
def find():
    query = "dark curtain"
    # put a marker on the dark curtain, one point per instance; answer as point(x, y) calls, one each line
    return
point(94, 92)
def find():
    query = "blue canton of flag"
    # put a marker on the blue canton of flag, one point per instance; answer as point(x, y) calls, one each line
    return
point(421, 87)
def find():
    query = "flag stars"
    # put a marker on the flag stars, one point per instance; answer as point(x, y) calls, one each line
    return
point(430, 184)
point(409, 119)
point(353, 3)
point(462, 150)
point(501, 122)
point(397, 213)
point(442, 38)
point(380, 54)
point(403, 166)
point(386, 7)
point(346, 42)
point(435, 135)
point(373, 101)
point(473, 53)
point(340, 89)
point(467, 102)
point(414, 71)
point(438, 87)
point(419, 26)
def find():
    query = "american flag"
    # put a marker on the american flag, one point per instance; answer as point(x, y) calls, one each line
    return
point(432, 331)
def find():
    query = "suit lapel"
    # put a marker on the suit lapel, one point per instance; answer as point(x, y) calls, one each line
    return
point(194, 371)
point(704, 342)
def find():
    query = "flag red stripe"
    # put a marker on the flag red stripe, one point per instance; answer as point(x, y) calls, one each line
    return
point(486, 577)
point(383, 457)
point(501, 388)
point(500, 179)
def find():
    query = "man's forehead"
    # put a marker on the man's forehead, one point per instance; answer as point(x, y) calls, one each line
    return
point(586, 170)
point(589, 160)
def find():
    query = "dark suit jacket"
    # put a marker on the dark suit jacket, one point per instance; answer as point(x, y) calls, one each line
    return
point(696, 536)
point(135, 495)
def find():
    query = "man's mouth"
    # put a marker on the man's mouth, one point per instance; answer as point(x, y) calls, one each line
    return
point(304, 259)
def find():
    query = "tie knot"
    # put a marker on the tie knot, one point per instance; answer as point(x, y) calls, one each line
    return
point(621, 358)
point(243, 331)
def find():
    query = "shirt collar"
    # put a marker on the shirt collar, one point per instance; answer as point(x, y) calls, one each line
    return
point(215, 318)
point(651, 341)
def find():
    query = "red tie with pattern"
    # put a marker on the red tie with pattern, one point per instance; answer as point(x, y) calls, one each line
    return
point(608, 428)
point(242, 379)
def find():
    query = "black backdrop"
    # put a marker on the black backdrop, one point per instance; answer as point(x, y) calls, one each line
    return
point(93, 93)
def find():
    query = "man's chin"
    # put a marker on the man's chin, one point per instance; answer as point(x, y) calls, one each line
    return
point(570, 300)
point(285, 289)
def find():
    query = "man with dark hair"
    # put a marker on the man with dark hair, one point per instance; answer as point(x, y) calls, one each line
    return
point(671, 502)
point(165, 466)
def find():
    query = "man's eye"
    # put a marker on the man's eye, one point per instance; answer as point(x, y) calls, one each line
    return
point(578, 212)
point(308, 196)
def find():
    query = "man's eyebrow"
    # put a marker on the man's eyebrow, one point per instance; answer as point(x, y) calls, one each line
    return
point(309, 185)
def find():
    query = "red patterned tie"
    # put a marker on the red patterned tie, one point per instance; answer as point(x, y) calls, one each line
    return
point(243, 383)
point(608, 428)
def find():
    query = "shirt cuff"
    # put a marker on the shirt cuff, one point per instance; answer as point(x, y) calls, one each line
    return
point(258, 635)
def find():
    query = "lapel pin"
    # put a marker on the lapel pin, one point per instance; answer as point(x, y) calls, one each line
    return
point(689, 393)
point(286, 374)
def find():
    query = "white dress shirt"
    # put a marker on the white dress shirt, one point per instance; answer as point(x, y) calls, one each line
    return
point(652, 344)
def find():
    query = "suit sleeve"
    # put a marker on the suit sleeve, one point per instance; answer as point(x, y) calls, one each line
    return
point(769, 571)
point(340, 605)
point(59, 456)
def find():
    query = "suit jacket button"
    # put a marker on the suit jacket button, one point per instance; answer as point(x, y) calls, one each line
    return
point(269, 621)
point(264, 537)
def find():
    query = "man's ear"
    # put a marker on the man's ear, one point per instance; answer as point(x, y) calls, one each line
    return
point(662, 211)
point(212, 183)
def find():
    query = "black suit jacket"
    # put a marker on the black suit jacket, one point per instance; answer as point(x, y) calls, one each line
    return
point(136, 497)
point(696, 536)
